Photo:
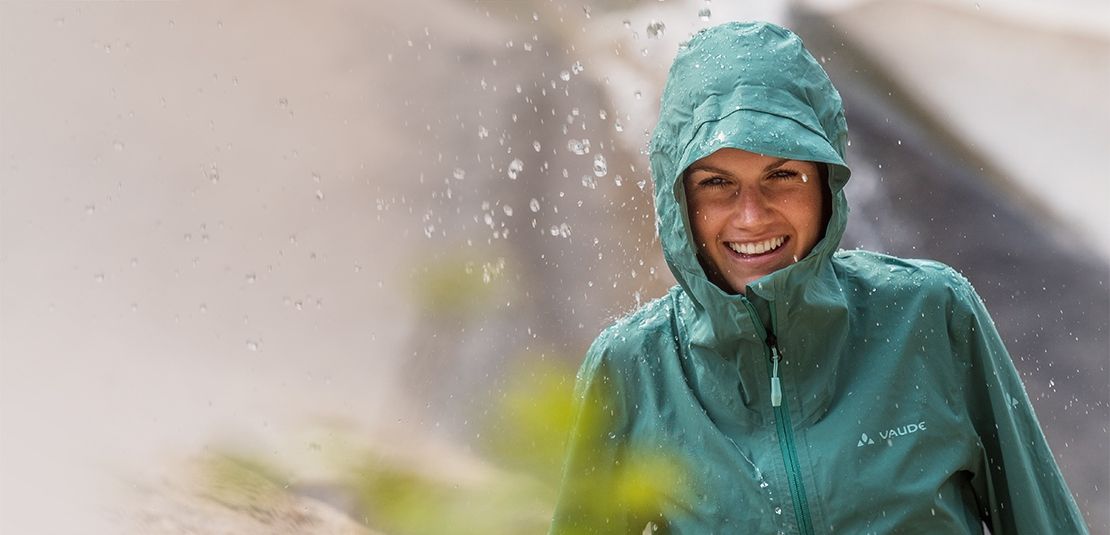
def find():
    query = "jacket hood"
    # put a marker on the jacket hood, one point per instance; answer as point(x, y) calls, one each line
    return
point(751, 86)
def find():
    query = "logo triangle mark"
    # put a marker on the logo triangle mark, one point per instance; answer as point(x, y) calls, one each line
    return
point(864, 440)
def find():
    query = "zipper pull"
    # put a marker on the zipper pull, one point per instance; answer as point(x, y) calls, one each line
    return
point(776, 385)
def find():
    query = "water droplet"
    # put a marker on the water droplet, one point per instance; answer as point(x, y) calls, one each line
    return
point(319, 195)
point(589, 182)
point(577, 67)
point(704, 13)
point(618, 126)
point(252, 345)
point(534, 205)
point(805, 177)
point(536, 145)
point(763, 484)
point(515, 167)
point(578, 147)
point(655, 29)
point(638, 94)
point(118, 145)
point(251, 277)
point(483, 133)
point(627, 23)
point(283, 103)
point(778, 510)
point(600, 167)
point(508, 210)
point(90, 209)
point(212, 173)
point(459, 173)
point(564, 76)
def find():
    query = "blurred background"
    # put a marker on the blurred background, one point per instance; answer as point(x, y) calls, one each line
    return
point(329, 267)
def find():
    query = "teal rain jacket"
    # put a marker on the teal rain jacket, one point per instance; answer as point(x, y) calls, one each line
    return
point(900, 410)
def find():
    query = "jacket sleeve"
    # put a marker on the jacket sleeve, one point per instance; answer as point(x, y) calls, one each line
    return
point(1017, 483)
point(592, 497)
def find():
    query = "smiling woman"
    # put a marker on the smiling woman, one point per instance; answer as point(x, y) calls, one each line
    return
point(752, 214)
point(785, 386)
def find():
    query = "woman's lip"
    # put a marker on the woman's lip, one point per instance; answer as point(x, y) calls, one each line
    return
point(741, 257)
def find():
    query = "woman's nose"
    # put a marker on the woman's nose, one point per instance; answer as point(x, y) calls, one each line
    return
point(751, 209)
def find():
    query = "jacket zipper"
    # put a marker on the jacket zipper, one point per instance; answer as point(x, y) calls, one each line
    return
point(783, 426)
point(786, 443)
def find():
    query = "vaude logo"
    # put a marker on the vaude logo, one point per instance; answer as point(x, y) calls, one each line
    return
point(890, 434)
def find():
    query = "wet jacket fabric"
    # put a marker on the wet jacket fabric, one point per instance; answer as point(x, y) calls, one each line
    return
point(900, 409)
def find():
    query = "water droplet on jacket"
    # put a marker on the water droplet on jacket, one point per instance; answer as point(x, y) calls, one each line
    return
point(508, 210)
point(483, 133)
point(118, 145)
point(534, 205)
point(704, 13)
point(589, 181)
point(564, 76)
point(213, 173)
point(577, 67)
point(459, 173)
point(764, 484)
point(655, 29)
point(778, 510)
point(252, 345)
point(536, 145)
point(578, 147)
point(319, 195)
point(251, 277)
point(601, 168)
point(515, 167)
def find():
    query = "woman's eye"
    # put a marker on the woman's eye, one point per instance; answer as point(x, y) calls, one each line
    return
point(714, 181)
point(783, 175)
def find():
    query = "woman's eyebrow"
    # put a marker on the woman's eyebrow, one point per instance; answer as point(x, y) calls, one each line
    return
point(708, 169)
point(776, 163)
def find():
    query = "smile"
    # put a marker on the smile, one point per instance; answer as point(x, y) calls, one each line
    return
point(759, 247)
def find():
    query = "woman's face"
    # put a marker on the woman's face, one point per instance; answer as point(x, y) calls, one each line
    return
point(752, 214)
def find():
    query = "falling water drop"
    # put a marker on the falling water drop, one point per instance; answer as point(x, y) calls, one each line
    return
point(534, 205)
point(600, 167)
point(655, 29)
point(515, 167)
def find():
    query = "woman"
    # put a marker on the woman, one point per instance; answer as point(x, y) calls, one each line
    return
point(784, 386)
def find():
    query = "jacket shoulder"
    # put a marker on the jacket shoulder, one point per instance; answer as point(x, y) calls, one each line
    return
point(885, 272)
point(630, 334)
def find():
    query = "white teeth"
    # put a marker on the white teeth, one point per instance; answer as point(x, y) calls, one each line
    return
point(757, 247)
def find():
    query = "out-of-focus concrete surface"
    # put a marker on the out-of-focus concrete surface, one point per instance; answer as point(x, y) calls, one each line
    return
point(204, 231)
point(1024, 85)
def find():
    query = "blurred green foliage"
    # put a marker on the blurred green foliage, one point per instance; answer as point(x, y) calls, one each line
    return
point(523, 446)
point(243, 482)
